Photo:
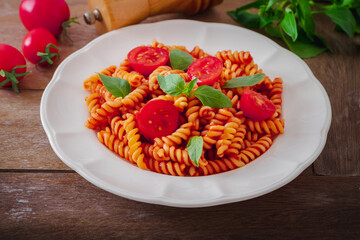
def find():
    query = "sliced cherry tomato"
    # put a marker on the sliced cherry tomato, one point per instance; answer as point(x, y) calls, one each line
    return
point(207, 69)
point(12, 66)
point(44, 13)
point(157, 118)
point(256, 106)
point(40, 47)
point(146, 59)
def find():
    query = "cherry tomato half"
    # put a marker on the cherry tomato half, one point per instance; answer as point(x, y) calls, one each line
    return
point(207, 69)
point(44, 13)
point(146, 59)
point(36, 41)
point(256, 106)
point(11, 58)
point(157, 118)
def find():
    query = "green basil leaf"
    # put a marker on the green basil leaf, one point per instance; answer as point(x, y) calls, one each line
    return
point(305, 18)
point(116, 86)
point(212, 97)
point(288, 24)
point(272, 31)
point(244, 81)
point(250, 20)
point(195, 148)
point(180, 60)
point(190, 86)
point(305, 47)
point(343, 18)
point(264, 21)
point(172, 84)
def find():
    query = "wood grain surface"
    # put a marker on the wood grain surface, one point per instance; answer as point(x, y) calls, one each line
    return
point(37, 206)
point(42, 198)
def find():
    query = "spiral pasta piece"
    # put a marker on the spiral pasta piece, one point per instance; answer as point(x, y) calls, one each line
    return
point(102, 91)
point(192, 112)
point(168, 167)
point(275, 94)
point(101, 114)
point(95, 79)
point(270, 126)
point(241, 57)
point(157, 44)
point(255, 150)
point(181, 102)
point(217, 166)
point(133, 138)
point(93, 102)
point(114, 144)
point(135, 97)
point(177, 137)
point(117, 127)
point(212, 135)
point(134, 78)
point(237, 142)
point(224, 142)
point(197, 52)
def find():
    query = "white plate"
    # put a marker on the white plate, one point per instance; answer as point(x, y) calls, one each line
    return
point(306, 109)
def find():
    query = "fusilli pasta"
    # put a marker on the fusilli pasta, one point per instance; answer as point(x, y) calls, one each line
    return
point(230, 139)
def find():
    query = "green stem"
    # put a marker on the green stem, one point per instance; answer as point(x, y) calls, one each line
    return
point(317, 5)
point(47, 55)
point(317, 12)
point(12, 77)
point(65, 25)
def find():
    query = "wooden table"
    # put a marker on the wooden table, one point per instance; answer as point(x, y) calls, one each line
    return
point(42, 198)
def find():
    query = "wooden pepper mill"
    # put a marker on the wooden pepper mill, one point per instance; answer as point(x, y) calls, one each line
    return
point(108, 15)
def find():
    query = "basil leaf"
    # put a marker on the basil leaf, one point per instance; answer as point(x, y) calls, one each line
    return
point(212, 97)
point(195, 148)
point(116, 86)
point(180, 60)
point(304, 47)
point(172, 84)
point(251, 20)
point(244, 81)
point(264, 21)
point(272, 31)
point(306, 18)
point(190, 86)
point(288, 24)
point(343, 18)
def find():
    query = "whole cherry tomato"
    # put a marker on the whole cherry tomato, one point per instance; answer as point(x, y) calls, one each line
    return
point(157, 118)
point(40, 47)
point(146, 59)
point(12, 66)
point(52, 15)
point(207, 69)
point(256, 106)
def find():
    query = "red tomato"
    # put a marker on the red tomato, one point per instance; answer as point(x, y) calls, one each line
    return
point(157, 118)
point(256, 106)
point(207, 69)
point(48, 14)
point(35, 42)
point(146, 59)
point(11, 58)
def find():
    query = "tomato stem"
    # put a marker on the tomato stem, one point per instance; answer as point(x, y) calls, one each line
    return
point(65, 25)
point(12, 77)
point(47, 55)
